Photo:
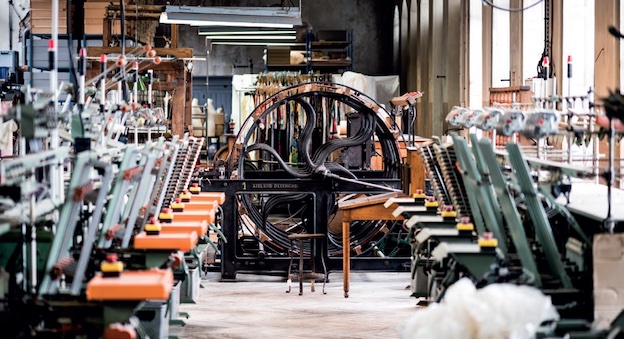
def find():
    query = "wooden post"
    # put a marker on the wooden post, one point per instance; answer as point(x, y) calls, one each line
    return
point(437, 78)
point(174, 36)
point(607, 61)
point(416, 170)
point(422, 119)
point(406, 56)
point(464, 61)
point(515, 44)
point(346, 250)
point(487, 54)
point(455, 50)
point(413, 49)
point(606, 47)
point(188, 104)
point(107, 26)
point(177, 103)
point(557, 44)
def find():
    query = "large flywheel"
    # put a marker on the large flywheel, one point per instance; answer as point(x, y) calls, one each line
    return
point(294, 135)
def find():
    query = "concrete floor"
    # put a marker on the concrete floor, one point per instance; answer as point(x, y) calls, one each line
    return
point(258, 307)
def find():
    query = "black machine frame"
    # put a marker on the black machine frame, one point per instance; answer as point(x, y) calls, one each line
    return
point(320, 188)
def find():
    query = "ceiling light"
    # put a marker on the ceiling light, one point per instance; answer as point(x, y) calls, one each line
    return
point(251, 37)
point(211, 31)
point(256, 43)
point(233, 16)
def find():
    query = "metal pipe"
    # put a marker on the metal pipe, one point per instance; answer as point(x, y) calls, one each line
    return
point(150, 82)
point(24, 33)
point(609, 222)
point(56, 175)
point(135, 67)
point(11, 26)
point(33, 246)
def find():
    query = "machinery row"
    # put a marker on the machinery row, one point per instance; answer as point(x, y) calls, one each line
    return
point(105, 238)
point(514, 214)
point(99, 238)
point(497, 215)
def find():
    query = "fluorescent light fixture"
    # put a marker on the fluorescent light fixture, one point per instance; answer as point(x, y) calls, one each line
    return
point(211, 31)
point(233, 24)
point(251, 37)
point(233, 16)
point(256, 43)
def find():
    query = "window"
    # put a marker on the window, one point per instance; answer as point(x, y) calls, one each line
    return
point(396, 39)
point(532, 39)
point(578, 42)
point(475, 51)
point(500, 45)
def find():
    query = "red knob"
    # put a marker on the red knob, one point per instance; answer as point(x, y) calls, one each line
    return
point(112, 257)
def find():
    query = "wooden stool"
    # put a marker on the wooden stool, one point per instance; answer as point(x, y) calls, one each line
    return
point(303, 237)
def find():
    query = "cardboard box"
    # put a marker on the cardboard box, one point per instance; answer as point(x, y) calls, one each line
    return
point(41, 17)
point(278, 55)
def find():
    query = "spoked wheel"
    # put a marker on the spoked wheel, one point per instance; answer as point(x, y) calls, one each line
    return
point(293, 135)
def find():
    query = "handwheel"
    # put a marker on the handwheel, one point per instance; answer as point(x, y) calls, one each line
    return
point(294, 133)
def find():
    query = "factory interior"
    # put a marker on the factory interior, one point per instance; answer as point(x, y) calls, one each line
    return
point(311, 169)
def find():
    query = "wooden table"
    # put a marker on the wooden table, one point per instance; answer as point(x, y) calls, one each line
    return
point(364, 208)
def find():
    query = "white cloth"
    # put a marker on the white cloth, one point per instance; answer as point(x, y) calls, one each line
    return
point(380, 88)
point(6, 137)
point(241, 83)
point(387, 87)
point(360, 82)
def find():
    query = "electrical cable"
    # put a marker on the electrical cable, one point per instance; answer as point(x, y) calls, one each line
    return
point(491, 4)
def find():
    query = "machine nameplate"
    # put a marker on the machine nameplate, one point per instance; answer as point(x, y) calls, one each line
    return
point(274, 186)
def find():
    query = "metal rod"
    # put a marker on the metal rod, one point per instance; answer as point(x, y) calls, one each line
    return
point(56, 175)
point(24, 259)
point(33, 246)
point(11, 26)
point(609, 223)
point(364, 183)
